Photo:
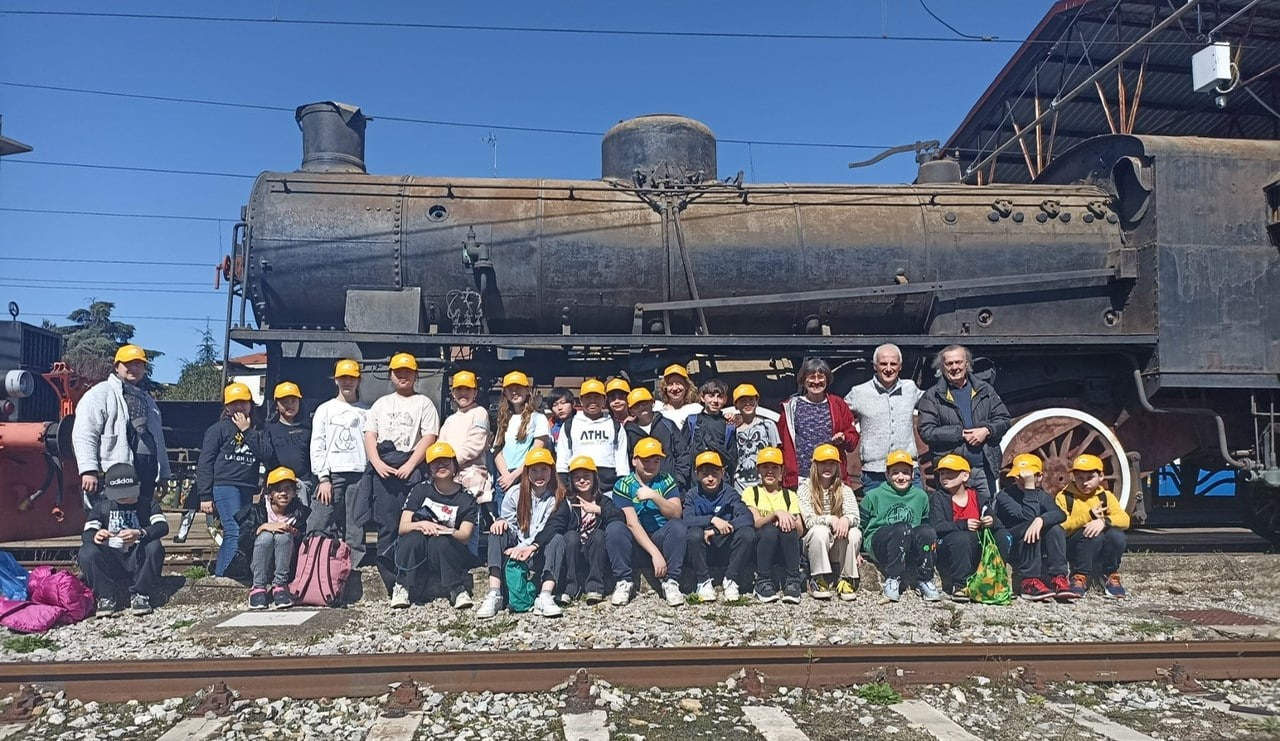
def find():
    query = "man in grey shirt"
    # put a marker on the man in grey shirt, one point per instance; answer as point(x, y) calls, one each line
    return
point(885, 410)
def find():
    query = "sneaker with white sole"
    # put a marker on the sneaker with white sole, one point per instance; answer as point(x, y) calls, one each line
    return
point(732, 593)
point(399, 596)
point(892, 588)
point(621, 594)
point(593, 598)
point(671, 591)
point(928, 592)
point(461, 599)
point(707, 591)
point(564, 600)
point(545, 605)
point(491, 605)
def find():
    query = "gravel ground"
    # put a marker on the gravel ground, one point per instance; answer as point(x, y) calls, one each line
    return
point(990, 710)
point(184, 628)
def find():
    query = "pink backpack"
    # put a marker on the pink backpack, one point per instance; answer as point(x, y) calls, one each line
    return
point(323, 567)
point(61, 589)
point(29, 617)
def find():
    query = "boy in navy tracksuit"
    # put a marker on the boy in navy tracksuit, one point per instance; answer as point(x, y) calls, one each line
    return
point(1034, 520)
point(122, 544)
point(709, 430)
point(718, 521)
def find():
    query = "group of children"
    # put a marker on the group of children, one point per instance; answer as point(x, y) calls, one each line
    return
point(696, 489)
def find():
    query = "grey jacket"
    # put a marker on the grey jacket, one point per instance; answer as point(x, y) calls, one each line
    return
point(100, 435)
point(886, 419)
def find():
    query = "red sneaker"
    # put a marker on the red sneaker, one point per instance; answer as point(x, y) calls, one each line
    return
point(1035, 590)
point(1062, 588)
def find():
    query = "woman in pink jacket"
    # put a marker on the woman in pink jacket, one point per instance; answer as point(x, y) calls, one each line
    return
point(813, 417)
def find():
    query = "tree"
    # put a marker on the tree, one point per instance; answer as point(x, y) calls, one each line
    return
point(93, 338)
point(199, 379)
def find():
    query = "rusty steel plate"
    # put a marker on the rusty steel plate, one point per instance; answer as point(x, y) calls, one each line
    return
point(1214, 617)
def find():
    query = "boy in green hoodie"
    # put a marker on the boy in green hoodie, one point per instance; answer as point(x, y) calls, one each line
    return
point(895, 516)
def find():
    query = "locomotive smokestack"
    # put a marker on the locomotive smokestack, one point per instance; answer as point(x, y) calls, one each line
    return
point(332, 137)
point(661, 145)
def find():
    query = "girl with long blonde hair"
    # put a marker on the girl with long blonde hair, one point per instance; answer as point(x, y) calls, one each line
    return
point(830, 513)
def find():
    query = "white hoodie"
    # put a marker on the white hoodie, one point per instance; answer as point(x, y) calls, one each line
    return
point(595, 438)
point(337, 438)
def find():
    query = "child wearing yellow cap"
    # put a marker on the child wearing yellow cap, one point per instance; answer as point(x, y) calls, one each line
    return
point(615, 397)
point(1039, 549)
point(594, 433)
point(521, 428)
point(644, 422)
point(651, 505)
point(775, 511)
point(338, 460)
point(288, 436)
point(829, 509)
point(398, 429)
point(752, 433)
point(720, 525)
point(575, 537)
point(227, 470)
point(958, 512)
point(435, 526)
point(1095, 528)
point(898, 537)
point(467, 432)
point(269, 534)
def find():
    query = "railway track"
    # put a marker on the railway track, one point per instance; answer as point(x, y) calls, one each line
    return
point(369, 675)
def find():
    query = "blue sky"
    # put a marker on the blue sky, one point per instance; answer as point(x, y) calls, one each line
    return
point(866, 92)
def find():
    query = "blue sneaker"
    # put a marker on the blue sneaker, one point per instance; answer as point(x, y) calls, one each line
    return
point(928, 592)
point(1111, 587)
point(892, 589)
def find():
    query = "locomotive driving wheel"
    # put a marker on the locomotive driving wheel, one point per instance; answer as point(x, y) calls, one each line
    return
point(1057, 435)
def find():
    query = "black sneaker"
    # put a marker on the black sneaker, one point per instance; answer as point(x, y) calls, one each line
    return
point(791, 592)
point(766, 591)
point(282, 599)
point(107, 607)
point(140, 604)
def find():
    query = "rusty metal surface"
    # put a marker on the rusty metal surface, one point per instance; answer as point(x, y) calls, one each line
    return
point(815, 666)
point(1214, 617)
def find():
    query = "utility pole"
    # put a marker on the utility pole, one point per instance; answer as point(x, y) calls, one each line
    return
point(492, 141)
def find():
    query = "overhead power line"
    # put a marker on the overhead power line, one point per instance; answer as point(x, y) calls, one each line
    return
point(110, 262)
point(210, 292)
point(114, 214)
point(162, 170)
point(63, 281)
point(402, 119)
point(214, 320)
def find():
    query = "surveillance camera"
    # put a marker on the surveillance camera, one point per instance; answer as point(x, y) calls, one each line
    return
point(1220, 101)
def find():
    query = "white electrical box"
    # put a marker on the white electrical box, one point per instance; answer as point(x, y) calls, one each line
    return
point(1211, 67)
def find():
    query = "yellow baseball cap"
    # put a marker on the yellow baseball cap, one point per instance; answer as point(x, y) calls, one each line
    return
point(899, 456)
point(515, 378)
point(638, 395)
point(769, 455)
point(675, 369)
point(826, 452)
point(591, 386)
point(281, 474)
point(953, 462)
point(539, 455)
point(617, 384)
point(403, 360)
point(582, 462)
point(1025, 463)
point(744, 389)
point(236, 392)
point(1087, 462)
point(708, 458)
point(346, 368)
point(440, 450)
point(286, 389)
point(648, 447)
point(463, 380)
point(130, 353)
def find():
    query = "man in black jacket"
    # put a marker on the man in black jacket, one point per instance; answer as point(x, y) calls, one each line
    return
point(965, 416)
point(122, 544)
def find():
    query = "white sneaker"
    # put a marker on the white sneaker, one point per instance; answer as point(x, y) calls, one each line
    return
point(731, 592)
point(490, 606)
point(621, 594)
point(399, 596)
point(707, 591)
point(546, 606)
point(462, 600)
point(671, 590)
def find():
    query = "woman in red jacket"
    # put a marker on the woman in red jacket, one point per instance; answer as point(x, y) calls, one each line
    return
point(812, 417)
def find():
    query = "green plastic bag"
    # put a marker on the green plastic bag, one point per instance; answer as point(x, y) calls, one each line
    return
point(521, 589)
point(989, 584)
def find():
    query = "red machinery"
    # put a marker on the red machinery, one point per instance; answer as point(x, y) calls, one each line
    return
point(39, 480)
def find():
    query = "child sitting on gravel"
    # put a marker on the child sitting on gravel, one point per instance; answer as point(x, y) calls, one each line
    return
point(269, 532)
point(719, 522)
point(830, 513)
point(898, 536)
point(579, 524)
point(1039, 550)
point(776, 510)
point(435, 528)
point(1094, 527)
point(514, 535)
point(957, 514)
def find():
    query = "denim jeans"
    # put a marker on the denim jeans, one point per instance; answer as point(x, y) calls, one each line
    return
point(272, 557)
point(228, 500)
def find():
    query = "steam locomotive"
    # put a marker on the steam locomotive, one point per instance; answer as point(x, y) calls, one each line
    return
point(1126, 303)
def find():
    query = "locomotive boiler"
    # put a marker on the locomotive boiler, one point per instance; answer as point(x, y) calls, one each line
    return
point(1126, 301)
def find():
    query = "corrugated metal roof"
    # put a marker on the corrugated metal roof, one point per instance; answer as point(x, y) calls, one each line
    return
point(1077, 37)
